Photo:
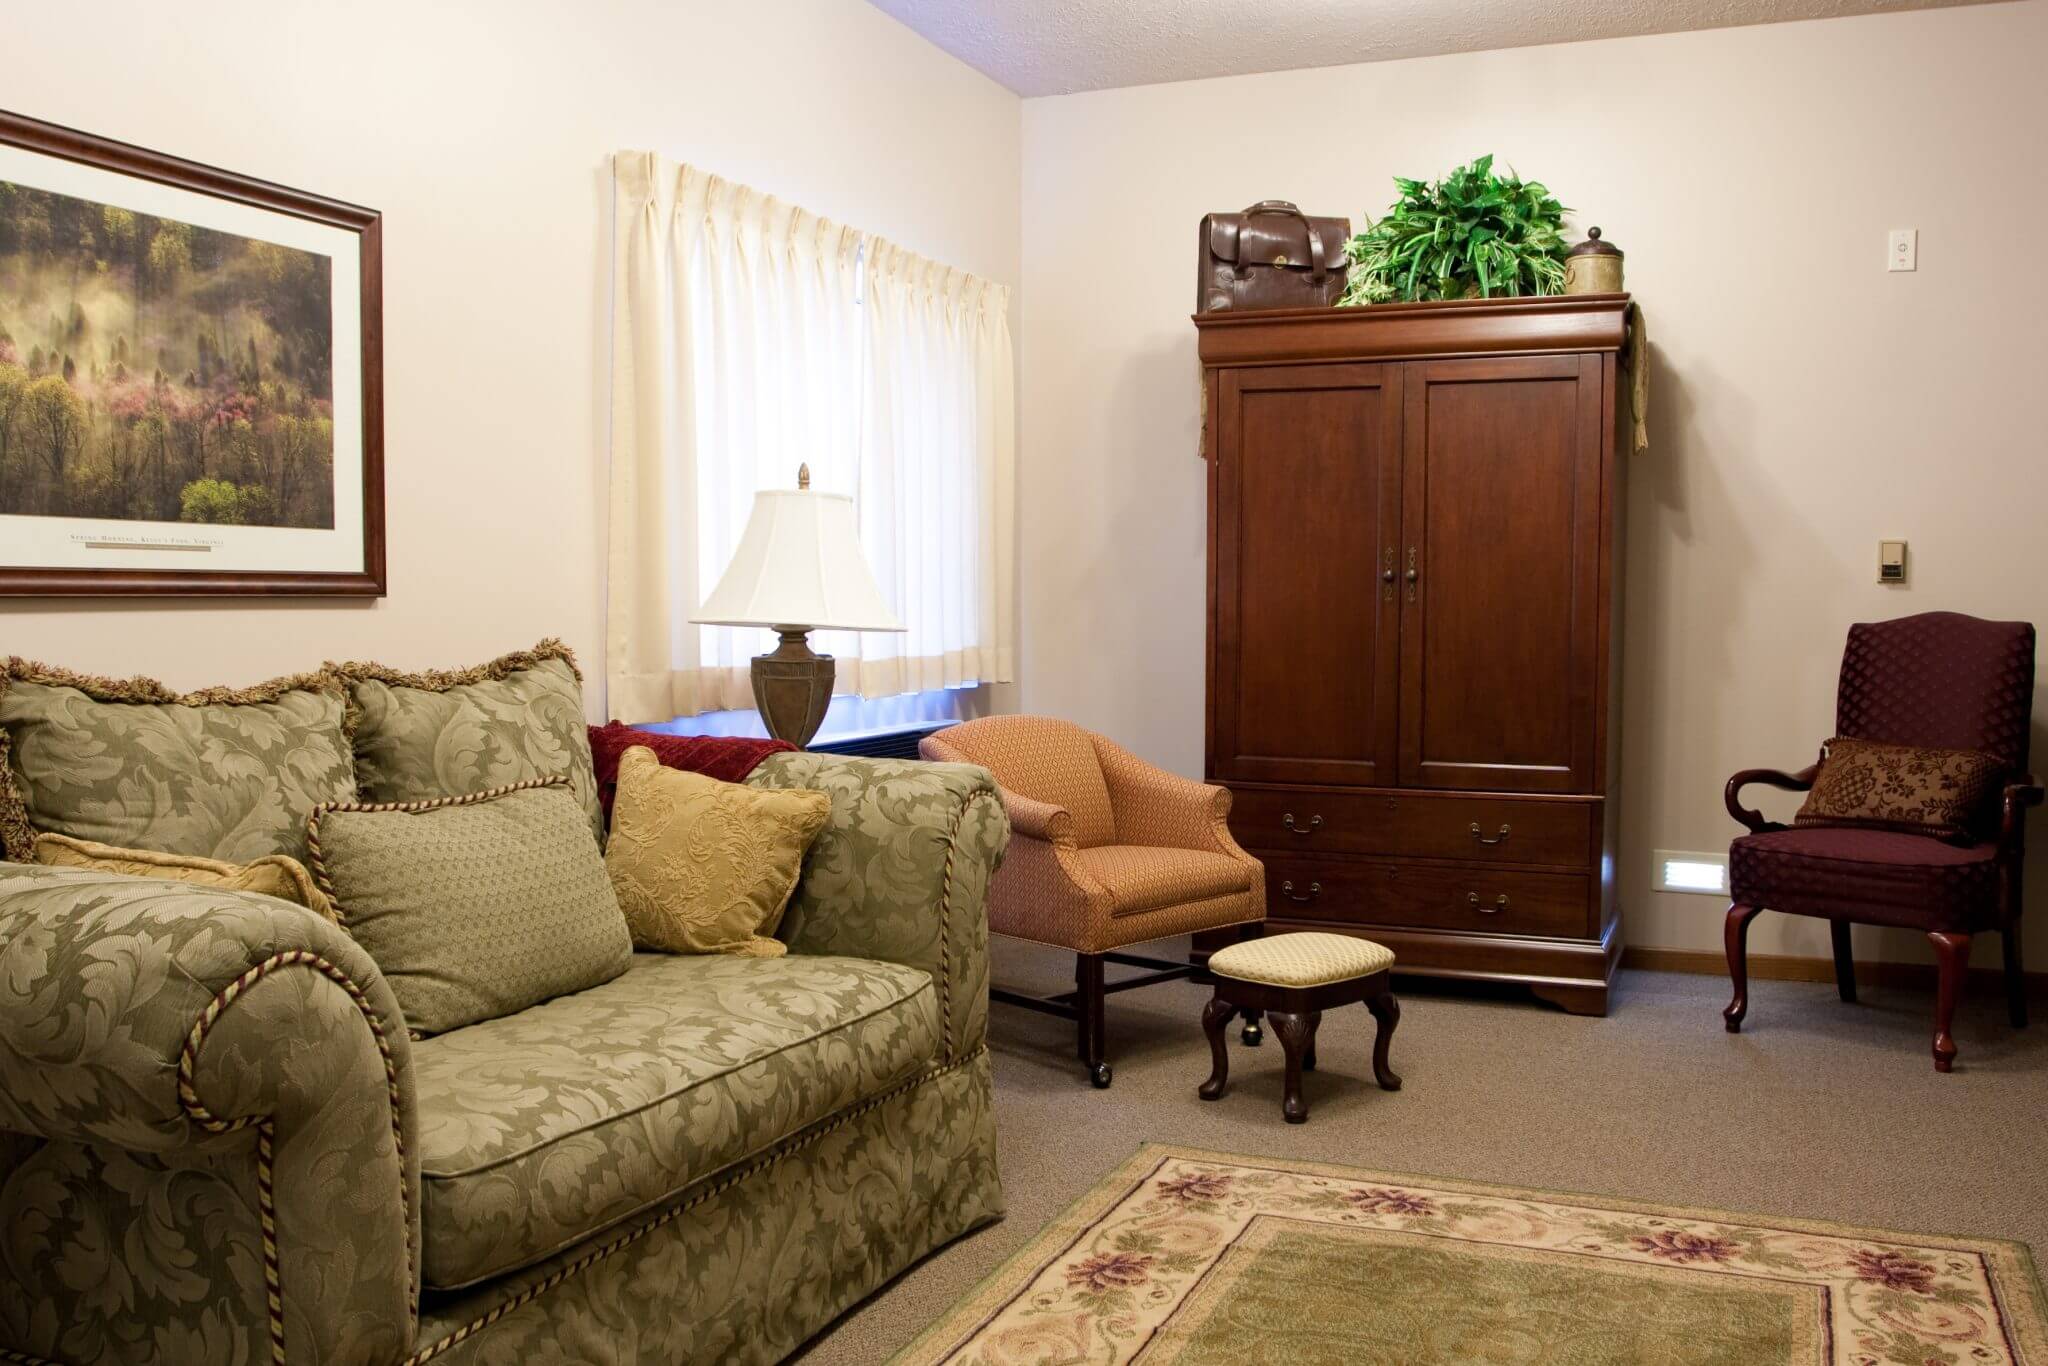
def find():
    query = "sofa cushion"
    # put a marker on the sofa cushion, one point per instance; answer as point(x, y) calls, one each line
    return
point(223, 773)
point(540, 1129)
point(729, 758)
point(703, 866)
point(273, 875)
point(473, 907)
point(1141, 877)
point(1945, 793)
point(443, 733)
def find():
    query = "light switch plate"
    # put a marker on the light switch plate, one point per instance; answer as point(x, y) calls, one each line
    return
point(1903, 251)
point(1891, 561)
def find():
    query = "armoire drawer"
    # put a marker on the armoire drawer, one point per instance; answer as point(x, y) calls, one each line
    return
point(1483, 900)
point(1403, 824)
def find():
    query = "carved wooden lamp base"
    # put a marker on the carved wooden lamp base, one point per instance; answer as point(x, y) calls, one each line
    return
point(793, 687)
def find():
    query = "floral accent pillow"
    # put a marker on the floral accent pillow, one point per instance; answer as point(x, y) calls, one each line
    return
point(1940, 792)
point(704, 866)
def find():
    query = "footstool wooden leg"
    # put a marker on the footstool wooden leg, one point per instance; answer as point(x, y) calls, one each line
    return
point(1308, 1054)
point(1294, 1031)
point(1215, 1016)
point(1387, 1011)
point(1253, 1036)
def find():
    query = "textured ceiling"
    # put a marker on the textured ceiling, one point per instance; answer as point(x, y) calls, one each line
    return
point(1055, 47)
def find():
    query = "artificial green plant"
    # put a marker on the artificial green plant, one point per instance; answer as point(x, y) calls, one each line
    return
point(1472, 234)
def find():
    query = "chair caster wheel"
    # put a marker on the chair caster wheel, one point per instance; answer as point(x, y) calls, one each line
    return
point(1253, 1036)
point(1098, 1076)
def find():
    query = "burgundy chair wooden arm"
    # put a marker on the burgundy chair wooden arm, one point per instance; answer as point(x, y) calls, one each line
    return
point(2021, 793)
point(1939, 680)
point(1766, 777)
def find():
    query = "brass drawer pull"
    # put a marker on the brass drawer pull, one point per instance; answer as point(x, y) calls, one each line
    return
point(1315, 889)
point(1501, 838)
point(1315, 823)
point(1500, 903)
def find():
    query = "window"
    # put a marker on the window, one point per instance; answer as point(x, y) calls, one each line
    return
point(750, 337)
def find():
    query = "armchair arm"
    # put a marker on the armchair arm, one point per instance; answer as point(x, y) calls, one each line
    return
point(1163, 809)
point(2020, 793)
point(1038, 820)
point(1768, 777)
point(216, 1091)
point(901, 873)
point(1028, 816)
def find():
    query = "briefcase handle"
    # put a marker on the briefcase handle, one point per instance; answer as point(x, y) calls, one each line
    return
point(1318, 271)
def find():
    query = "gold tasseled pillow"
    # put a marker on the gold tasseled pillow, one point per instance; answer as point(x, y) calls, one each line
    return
point(278, 875)
point(703, 866)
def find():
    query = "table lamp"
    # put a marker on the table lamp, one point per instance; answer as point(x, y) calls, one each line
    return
point(798, 568)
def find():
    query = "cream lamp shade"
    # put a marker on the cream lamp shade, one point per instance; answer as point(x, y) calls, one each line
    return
point(799, 564)
point(798, 567)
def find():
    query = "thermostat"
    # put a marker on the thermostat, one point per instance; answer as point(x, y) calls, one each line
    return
point(1891, 561)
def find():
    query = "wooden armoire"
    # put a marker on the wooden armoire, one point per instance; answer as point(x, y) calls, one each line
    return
point(1414, 616)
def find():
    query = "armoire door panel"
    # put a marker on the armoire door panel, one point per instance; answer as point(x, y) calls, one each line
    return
point(1501, 495)
point(1307, 480)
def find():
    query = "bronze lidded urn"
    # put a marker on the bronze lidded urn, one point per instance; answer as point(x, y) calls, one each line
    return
point(1593, 266)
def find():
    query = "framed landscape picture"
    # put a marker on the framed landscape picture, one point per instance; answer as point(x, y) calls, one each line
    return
point(190, 377)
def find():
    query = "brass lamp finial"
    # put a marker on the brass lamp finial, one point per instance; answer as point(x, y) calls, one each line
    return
point(803, 476)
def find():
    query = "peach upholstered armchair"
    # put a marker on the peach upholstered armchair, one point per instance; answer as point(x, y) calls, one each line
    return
point(1106, 851)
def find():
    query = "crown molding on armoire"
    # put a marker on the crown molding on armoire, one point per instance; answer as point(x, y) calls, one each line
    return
point(1414, 625)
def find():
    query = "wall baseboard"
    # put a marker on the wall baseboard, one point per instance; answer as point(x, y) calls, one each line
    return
point(1785, 967)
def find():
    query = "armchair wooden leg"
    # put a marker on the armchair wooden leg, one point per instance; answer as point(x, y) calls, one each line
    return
point(1845, 961)
point(1215, 1016)
point(1090, 1028)
point(2015, 978)
point(1736, 934)
point(1953, 954)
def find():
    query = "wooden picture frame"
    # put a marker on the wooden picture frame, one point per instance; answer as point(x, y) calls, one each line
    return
point(207, 466)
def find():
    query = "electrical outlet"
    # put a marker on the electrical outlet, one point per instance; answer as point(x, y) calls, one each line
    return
point(1903, 252)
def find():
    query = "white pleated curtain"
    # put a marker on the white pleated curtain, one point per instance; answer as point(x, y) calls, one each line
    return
point(749, 337)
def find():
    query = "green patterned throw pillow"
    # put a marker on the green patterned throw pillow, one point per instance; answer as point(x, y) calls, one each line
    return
point(442, 733)
point(224, 773)
point(473, 907)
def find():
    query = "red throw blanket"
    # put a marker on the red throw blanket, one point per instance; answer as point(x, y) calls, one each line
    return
point(729, 758)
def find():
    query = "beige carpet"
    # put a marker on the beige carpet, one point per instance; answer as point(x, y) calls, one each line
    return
point(1818, 1110)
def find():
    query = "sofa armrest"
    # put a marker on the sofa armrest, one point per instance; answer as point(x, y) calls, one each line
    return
point(154, 1035)
point(901, 873)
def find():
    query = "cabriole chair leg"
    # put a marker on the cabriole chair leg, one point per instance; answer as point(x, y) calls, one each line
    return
point(1736, 935)
point(1952, 952)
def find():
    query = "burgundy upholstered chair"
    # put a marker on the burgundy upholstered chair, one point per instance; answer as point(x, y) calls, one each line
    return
point(1937, 680)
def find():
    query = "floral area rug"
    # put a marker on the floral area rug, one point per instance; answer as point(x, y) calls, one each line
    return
point(1204, 1259)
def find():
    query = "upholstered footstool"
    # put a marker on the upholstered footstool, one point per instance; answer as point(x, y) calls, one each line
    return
point(1294, 978)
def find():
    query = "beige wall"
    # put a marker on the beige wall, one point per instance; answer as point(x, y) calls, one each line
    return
point(483, 132)
point(1807, 403)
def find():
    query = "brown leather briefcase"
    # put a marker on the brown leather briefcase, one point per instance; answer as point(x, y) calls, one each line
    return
point(1271, 256)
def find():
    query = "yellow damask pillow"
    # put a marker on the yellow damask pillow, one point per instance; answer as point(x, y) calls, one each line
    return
point(703, 866)
point(277, 875)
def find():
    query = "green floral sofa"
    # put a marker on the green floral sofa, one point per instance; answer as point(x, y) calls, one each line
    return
point(217, 1143)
